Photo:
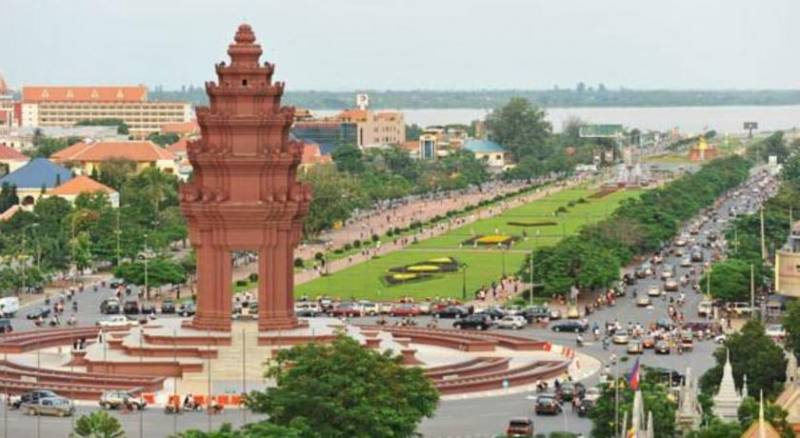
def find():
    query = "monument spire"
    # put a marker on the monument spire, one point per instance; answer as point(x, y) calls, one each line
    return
point(244, 194)
point(727, 400)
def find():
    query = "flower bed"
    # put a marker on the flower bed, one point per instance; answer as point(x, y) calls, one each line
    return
point(533, 224)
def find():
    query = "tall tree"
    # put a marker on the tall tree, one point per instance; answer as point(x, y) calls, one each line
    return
point(348, 158)
point(520, 127)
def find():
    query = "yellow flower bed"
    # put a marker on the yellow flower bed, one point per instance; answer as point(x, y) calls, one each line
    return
point(402, 277)
point(493, 239)
point(441, 260)
point(423, 268)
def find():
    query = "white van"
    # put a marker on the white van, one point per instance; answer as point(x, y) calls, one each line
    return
point(9, 306)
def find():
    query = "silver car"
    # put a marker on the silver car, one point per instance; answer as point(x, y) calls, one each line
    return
point(57, 406)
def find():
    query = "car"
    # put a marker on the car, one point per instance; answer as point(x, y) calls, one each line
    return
point(705, 308)
point(147, 309)
point(118, 399)
point(740, 308)
point(697, 256)
point(168, 306)
point(555, 314)
point(667, 272)
point(547, 404)
point(643, 301)
point(514, 322)
point(680, 242)
point(41, 312)
point(776, 331)
point(635, 347)
point(687, 341)
point(347, 309)
point(621, 337)
point(131, 307)
point(654, 292)
point(369, 308)
point(570, 326)
point(116, 282)
point(648, 342)
point(536, 312)
point(644, 271)
point(662, 347)
point(187, 309)
point(520, 427)
point(5, 326)
point(452, 312)
point(58, 406)
point(678, 252)
point(110, 306)
point(115, 321)
point(9, 306)
point(476, 321)
point(307, 309)
point(406, 309)
point(671, 285)
point(665, 324)
point(566, 392)
point(686, 262)
point(494, 313)
point(585, 406)
point(31, 397)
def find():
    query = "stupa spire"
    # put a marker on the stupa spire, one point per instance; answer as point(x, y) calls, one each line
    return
point(727, 400)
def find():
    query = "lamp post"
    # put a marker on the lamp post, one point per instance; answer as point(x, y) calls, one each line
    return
point(463, 282)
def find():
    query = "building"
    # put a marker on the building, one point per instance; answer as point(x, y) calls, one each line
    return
point(34, 179)
point(376, 129)
point(728, 399)
point(327, 133)
point(428, 145)
point(83, 184)
point(494, 155)
point(86, 157)
point(11, 159)
point(9, 109)
point(312, 156)
point(690, 413)
point(22, 139)
point(702, 151)
point(181, 129)
point(787, 265)
point(68, 105)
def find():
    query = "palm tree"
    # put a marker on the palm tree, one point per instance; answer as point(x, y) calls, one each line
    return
point(98, 425)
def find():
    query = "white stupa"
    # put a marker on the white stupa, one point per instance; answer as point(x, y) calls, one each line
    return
point(727, 400)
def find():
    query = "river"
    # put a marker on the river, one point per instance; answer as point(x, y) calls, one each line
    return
point(693, 119)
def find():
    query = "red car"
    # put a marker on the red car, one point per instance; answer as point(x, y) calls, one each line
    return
point(405, 309)
point(347, 310)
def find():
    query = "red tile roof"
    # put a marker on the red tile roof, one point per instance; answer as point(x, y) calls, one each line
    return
point(411, 145)
point(179, 146)
point(10, 154)
point(312, 154)
point(181, 128)
point(80, 184)
point(353, 115)
point(62, 93)
point(138, 151)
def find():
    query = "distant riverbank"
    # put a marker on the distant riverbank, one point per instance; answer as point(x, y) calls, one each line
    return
point(689, 119)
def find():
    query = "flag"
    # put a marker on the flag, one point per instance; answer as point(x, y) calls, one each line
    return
point(633, 378)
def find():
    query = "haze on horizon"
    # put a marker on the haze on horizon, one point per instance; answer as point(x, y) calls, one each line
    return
point(410, 44)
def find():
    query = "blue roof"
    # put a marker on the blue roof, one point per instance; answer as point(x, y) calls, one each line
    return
point(37, 173)
point(483, 146)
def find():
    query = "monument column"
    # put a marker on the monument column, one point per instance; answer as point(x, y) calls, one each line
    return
point(214, 278)
point(276, 304)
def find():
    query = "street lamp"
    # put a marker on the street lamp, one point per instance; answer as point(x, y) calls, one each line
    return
point(464, 282)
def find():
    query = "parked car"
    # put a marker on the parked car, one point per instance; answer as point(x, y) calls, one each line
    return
point(570, 326)
point(705, 309)
point(493, 313)
point(115, 321)
point(187, 309)
point(31, 396)
point(662, 347)
point(58, 406)
point(520, 427)
point(147, 309)
point(168, 306)
point(452, 312)
point(514, 322)
point(547, 404)
point(573, 312)
point(536, 312)
point(9, 306)
point(41, 312)
point(117, 399)
point(585, 406)
point(5, 326)
point(635, 347)
point(404, 310)
point(368, 308)
point(110, 306)
point(476, 321)
point(643, 301)
point(131, 307)
point(307, 309)
point(740, 308)
point(776, 331)
point(621, 337)
point(347, 309)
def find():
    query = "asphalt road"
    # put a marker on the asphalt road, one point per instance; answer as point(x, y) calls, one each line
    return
point(478, 417)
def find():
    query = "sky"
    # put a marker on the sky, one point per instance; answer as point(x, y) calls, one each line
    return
point(409, 44)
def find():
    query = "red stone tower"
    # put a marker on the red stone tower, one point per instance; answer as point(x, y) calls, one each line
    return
point(244, 193)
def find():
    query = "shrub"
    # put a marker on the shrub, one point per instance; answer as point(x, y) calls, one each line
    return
point(298, 263)
point(347, 247)
point(582, 200)
point(571, 204)
point(376, 237)
point(338, 251)
point(389, 233)
point(241, 283)
point(356, 243)
point(561, 209)
point(319, 256)
point(253, 277)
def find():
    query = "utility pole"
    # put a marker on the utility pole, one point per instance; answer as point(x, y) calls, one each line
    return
point(118, 232)
point(530, 295)
point(752, 291)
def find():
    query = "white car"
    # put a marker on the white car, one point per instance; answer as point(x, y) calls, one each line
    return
point(369, 308)
point(514, 322)
point(621, 337)
point(776, 331)
point(654, 292)
point(705, 308)
point(643, 301)
point(116, 321)
point(686, 263)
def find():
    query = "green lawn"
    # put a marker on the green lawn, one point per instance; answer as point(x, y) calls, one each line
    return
point(484, 264)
